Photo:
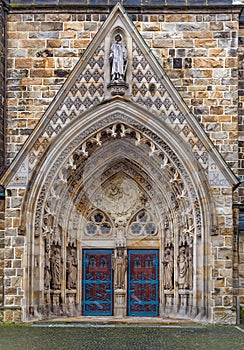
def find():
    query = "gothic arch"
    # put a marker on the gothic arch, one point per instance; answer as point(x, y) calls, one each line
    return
point(117, 138)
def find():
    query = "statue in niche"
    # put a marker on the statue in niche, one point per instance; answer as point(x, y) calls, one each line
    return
point(47, 270)
point(55, 268)
point(118, 58)
point(183, 269)
point(71, 265)
point(168, 263)
point(119, 267)
point(190, 271)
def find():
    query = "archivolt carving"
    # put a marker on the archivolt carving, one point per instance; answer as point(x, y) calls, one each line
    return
point(72, 168)
point(145, 185)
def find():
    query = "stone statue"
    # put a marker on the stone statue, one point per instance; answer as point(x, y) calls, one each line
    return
point(71, 269)
point(118, 57)
point(119, 267)
point(168, 264)
point(190, 271)
point(47, 271)
point(183, 269)
point(55, 267)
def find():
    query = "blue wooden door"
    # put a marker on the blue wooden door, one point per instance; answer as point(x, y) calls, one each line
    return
point(97, 283)
point(143, 283)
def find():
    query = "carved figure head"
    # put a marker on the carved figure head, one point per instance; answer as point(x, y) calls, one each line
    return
point(118, 38)
point(182, 250)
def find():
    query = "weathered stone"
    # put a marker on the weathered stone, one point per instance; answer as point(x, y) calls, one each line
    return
point(199, 53)
point(51, 26)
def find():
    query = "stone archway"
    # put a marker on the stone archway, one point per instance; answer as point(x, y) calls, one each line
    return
point(117, 148)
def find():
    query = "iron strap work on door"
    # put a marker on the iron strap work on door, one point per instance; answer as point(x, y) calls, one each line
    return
point(97, 283)
point(143, 283)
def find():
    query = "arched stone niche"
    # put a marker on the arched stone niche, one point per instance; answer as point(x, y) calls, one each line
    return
point(123, 173)
point(118, 86)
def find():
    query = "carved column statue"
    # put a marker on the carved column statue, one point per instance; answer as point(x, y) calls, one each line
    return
point(168, 268)
point(119, 267)
point(183, 268)
point(118, 58)
point(71, 264)
point(55, 267)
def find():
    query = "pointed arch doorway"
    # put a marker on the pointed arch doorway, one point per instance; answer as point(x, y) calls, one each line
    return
point(118, 185)
point(126, 210)
point(122, 216)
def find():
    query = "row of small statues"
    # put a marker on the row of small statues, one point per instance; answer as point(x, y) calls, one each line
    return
point(185, 268)
point(53, 265)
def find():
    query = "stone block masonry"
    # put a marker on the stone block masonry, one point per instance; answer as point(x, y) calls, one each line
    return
point(2, 80)
point(199, 52)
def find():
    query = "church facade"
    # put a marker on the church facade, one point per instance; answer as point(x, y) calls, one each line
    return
point(121, 149)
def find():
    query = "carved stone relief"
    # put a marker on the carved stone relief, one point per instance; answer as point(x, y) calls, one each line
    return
point(119, 267)
point(126, 201)
point(55, 267)
point(168, 269)
point(71, 268)
point(185, 268)
point(120, 195)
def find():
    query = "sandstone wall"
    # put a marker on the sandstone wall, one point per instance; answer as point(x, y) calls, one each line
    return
point(2, 100)
point(199, 51)
point(2, 79)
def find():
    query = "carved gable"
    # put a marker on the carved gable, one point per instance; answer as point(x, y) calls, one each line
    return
point(119, 170)
point(145, 83)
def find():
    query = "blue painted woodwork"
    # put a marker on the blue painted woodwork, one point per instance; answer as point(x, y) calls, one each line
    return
point(143, 283)
point(97, 297)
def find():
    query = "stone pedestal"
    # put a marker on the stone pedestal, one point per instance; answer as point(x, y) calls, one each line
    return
point(55, 300)
point(169, 302)
point(118, 88)
point(71, 302)
point(47, 303)
point(120, 303)
point(184, 302)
